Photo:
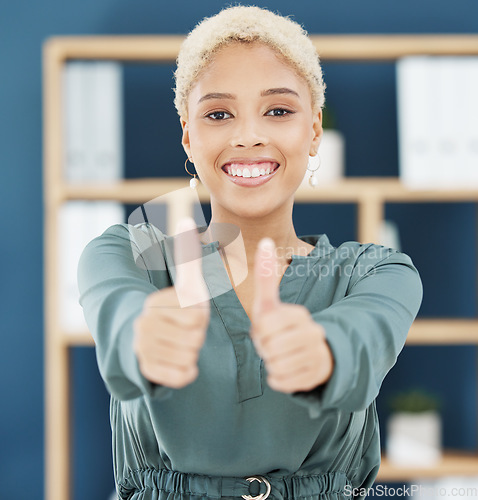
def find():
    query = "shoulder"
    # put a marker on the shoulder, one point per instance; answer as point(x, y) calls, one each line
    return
point(373, 254)
point(355, 261)
point(141, 242)
point(140, 234)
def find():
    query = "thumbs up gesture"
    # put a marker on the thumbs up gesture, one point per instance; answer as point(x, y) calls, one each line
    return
point(292, 345)
point(171, 329)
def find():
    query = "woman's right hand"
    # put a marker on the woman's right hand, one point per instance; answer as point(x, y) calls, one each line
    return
point(171, 328)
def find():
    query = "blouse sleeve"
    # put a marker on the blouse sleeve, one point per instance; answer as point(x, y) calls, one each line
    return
point(366, 330)
point(114, 280)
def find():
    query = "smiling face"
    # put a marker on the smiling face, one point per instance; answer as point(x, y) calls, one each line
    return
point(250, 130)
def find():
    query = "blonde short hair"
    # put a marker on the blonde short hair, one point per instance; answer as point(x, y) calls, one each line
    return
point(247, 24)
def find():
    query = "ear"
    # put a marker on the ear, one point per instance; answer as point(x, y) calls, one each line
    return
point(185, 138)
point(317, 133)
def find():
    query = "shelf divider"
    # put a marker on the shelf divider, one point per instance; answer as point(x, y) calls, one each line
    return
point(453, 463)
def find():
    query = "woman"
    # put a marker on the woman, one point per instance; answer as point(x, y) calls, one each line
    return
point(265, 389)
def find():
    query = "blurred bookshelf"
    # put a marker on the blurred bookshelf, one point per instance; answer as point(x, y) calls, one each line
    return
point(369, 194)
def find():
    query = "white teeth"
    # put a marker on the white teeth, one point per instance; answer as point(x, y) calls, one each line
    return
point(246, 172)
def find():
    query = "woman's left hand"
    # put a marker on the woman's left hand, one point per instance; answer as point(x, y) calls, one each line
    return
point(292, 345)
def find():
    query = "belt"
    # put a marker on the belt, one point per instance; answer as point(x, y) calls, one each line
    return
point(260, 496)
point(331, 485)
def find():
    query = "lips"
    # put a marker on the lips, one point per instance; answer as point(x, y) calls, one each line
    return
point(250, 172)
point(250, 169)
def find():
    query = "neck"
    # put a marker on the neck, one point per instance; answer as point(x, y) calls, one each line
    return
point(238, 235)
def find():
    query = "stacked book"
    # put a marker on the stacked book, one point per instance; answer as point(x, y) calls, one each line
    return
point(93, 121)
point(93, 153)
point(437, 102)
point(79, 222)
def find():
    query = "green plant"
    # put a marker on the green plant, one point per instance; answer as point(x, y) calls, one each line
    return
point(414, 401)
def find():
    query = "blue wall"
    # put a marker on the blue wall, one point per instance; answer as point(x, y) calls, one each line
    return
point(441, 239)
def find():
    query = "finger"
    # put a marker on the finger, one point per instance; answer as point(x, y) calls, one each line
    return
point(170, 376)
point(193, 317)
point(284, 344)
point(280, 320)
point(299, 373)
point(180, 338)
point(266, 286)
point(264, 349)
point(310, 342)
point(165, 353)
point(300, 381)
point(190, 285)
point(289, 364)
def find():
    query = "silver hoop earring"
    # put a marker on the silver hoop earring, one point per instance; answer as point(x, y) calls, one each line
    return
point(313, 180)
point(193, 182)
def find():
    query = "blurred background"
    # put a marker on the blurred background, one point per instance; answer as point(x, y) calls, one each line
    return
point(440, 238)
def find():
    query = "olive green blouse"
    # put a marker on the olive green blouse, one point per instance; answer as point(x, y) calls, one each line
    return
point(203, 440)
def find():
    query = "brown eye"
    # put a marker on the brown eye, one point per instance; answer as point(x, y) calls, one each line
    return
point(278, 112)
point(218, 115)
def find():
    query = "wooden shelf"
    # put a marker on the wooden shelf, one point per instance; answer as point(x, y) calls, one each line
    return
point(370, 195)
point(441, 331)
point(349, 47)
point(348, 190)
point(378, 47)
point(77, 339)
point(452, 464)
point(136, 48)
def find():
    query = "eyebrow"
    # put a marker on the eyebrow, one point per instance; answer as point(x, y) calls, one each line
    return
point(264, 93)
point(216, 95)
point(279, 90)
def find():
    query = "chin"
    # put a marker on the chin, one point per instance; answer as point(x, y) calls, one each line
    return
point(253, 212)
point(252, 207)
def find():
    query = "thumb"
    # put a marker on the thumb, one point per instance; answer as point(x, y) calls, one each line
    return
point(265, 278)
point(190, 285)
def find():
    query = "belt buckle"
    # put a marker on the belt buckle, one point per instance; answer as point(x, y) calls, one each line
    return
point(261, 496)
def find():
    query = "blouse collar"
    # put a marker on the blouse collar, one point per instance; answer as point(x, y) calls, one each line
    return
point(321, 243)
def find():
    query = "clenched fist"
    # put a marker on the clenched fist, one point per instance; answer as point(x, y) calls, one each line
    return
point(291, 343)
point(172, 327)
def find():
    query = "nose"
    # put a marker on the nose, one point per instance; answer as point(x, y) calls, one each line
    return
point(247, 133)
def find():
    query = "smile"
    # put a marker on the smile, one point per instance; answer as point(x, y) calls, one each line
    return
point(250, 174)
